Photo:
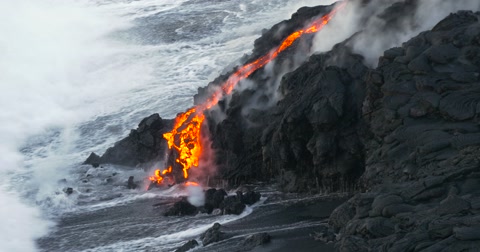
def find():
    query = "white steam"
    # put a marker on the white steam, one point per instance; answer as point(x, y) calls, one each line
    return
point(20, 224)
point(373, 39)
point(57, 59)
point(196, 196)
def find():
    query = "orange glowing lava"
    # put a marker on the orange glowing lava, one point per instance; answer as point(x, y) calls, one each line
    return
point(158, 176)
point(185, 136)
point(190, 183)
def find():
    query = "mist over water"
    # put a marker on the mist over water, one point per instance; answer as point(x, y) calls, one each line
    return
point(76, 76)
point(56, 63)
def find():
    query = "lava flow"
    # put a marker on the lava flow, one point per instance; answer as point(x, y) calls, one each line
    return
point(185, 137)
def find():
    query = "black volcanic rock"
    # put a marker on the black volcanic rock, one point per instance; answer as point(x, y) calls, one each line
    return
point(93, 160)
point(68, 190)
point(181, 208)
point(187, 246)
point(249, 198)
point(422, 165)
point(232, 205)
point(213, 234)
point(214, 198)
point(310, 139)
point(255, 240)
point(131, 184)
point(143, 145)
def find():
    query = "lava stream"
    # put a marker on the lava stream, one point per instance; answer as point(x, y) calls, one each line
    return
point(185, 137)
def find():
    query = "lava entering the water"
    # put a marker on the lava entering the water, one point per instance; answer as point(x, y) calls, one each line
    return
point(185, 137)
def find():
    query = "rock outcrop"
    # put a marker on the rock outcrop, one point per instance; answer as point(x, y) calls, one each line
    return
point(213, 234)
point(422, 167)
point(142, 146)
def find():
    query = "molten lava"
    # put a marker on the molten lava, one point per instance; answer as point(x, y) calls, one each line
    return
point(185, 136)
point(158, 176)
point(189, 183)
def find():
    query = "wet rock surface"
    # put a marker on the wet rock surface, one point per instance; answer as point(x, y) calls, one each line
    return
point(187, 246)
point(213, 199)
point(131, 183)
point(213, 234)
point(68, 190)
point(142, 146)
point(181, 208)
point(216, 199)
point(232, 205)
point(255, 240)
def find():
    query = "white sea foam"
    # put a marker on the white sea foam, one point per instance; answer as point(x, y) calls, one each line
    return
point(165, 240)
point(47, 48)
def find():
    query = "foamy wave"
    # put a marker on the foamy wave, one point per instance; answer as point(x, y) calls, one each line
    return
point(75, 80)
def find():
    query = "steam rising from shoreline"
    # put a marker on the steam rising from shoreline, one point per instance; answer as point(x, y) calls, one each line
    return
point(373, 32)
point(47, 47)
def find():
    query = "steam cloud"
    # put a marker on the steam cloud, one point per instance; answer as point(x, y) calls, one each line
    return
point(196, 196)
point(47, 48)
point(370, 22)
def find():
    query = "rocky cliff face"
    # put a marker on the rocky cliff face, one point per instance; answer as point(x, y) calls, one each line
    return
point(422, 166)
point(310, 139)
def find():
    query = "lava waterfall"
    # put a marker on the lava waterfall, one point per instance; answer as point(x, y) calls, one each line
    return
point(185, 139)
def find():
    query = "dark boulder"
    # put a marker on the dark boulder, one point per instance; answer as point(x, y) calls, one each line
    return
point(218, 197)
point(68, 190)
point(142, 146)
point(250, 197)
point(232, 205)
point(213, 199)
point(181, 208)
point(93, 160)
point(213, 234)
point(209, 202)
point(187, 246)
point(255, 240)
point(130, 183)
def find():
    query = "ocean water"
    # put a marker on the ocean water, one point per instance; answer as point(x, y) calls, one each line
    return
point(76, 76)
